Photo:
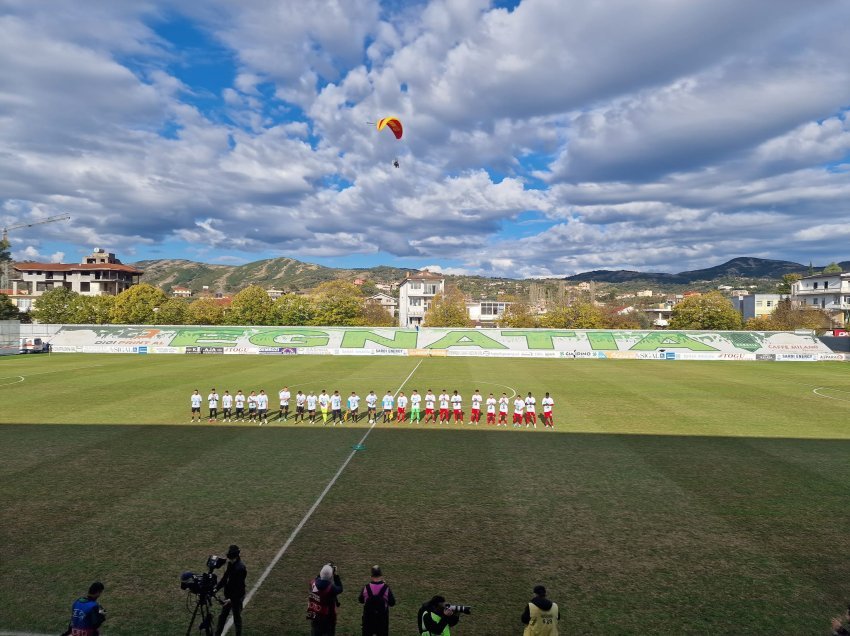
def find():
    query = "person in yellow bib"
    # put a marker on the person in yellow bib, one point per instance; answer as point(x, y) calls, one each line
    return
point(435, 619)
point(541, 615)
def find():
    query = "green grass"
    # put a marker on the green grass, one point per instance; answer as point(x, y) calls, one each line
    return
point(675, 497)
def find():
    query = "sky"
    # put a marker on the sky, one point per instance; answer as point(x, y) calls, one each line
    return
point(542, 137)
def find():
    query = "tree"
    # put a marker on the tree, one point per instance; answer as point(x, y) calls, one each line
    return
point(172, 312)
point(204, 311)
point(518, 315)
point(761, 323)
point(293, 310)
point(787, 281)
point(374, 315)
point(8, 311)
point(582, 315)
point(251, 306)
point(55, 306)
point(92, 310)
point(787, 317)
point(338, 303)
point(631, 320)
point(135, 306)
point(448, 310)
point(832, 268)
point(708, 311)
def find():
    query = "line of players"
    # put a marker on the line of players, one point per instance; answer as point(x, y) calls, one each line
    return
point(330, 407)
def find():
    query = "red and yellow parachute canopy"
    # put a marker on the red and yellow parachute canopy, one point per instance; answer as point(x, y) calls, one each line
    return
point(393, 123)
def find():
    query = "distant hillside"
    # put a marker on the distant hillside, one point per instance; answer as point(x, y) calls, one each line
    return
point(738, 268)
point(281, 273)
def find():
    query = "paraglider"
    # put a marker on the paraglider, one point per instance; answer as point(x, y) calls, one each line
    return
point(394, 125)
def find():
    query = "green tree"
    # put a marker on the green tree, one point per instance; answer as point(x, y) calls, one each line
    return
point(135, 306)
point(761, 323)
point(92, 310)
point(581, 315)
point(8, 311)
point(374, 315)
point(787, 281)
point(787, 317)
point(338, 303)
point(251, 306)
point(448, 310)
point(712, 311)
point(832, 268)
point(172, 312)
point(518, 315)
point(204, 311)
point(293, 310)
point(55, 306)
point(613, 320)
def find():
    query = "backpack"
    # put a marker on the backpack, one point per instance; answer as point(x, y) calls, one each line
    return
point(375, 604)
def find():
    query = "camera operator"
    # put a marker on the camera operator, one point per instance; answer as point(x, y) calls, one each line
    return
point(435, 619)
point(233, 583)
point(322, 601)
point(86, 613)
point(541, 615)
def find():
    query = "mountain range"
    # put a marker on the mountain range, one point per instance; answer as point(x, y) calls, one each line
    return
point(292, 275)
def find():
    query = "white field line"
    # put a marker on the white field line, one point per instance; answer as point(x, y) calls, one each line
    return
point(9, 377)
point(2, 633)
point(309, 514)
point(830, 397)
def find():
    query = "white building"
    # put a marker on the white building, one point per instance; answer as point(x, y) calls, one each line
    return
point(178, 291)
point(644, 293)
point(386, 301)
point(415, 294)
point(100, 274)
point(756, 305)
point(274, 293)
point(830, 292)
point(486, 311)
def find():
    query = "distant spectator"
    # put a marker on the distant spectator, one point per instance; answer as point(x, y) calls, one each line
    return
point(322, 601)
point(541, 615)
point(377, 599)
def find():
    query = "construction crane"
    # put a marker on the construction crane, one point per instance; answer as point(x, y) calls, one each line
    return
point(7, 229)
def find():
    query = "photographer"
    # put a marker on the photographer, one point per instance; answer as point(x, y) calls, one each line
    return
point(435, 619)
point(377, 599)
point(322, 601)
point(86, 613)
point(233, 583)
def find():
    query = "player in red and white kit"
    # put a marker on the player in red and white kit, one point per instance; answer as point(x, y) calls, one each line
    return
point(457, 407)
point(548, 403)
point(401, 404)
point(530, 410)
point(519, 407)
point(504, 405)
point(491, 409)
point(475, 413)
point(444, 406)
point(430, 401)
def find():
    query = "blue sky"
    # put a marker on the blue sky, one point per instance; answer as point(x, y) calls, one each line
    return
point(542, 137)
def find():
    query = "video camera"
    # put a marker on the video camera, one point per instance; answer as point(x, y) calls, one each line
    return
point(203, 584)
point(459, 609)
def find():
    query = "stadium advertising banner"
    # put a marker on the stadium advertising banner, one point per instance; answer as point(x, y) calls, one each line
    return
point(530, 343)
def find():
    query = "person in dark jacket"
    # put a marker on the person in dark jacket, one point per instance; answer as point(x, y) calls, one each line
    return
point(86, 613)
point(322, 601)
point(233, 583)
point(435, 619)
point(377, 599)
point(541, 615)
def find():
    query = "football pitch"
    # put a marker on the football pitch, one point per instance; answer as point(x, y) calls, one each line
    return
point(673, 497)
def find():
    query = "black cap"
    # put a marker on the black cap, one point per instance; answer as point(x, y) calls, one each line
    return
point(233, 552)
point(376, 570)
point(540, 590)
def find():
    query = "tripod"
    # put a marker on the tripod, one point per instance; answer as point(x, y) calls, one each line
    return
point(203, 607)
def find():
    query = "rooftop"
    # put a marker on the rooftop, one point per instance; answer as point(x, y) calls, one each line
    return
point(75, 267)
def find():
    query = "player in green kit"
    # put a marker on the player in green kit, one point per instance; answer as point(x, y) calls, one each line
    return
point(415, 405)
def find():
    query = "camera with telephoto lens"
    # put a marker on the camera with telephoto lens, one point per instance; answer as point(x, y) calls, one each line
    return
point(459, 609)
point(203, 584)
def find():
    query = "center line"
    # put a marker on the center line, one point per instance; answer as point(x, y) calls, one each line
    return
point(309, 514)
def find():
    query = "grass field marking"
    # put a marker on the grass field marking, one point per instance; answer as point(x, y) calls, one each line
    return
point(23, 634)
point(306, 518)
point(9, 377)
point(830, 397)
point(504, 386)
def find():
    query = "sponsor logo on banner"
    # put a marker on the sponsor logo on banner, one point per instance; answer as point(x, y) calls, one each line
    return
point(277, 351)
point(735, 356)
point(832, 356)
point(64, 349)
point(796, 357)
point(165, 349)
point(766, 356)
point(143, 350)
point(240, 351)
point(650, 355)
point(207, 350)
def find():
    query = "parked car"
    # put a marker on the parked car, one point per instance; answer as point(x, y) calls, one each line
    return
point(34, 345)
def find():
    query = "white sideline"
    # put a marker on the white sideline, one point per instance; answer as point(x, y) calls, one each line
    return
point(23, 634)
point(307, 516)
